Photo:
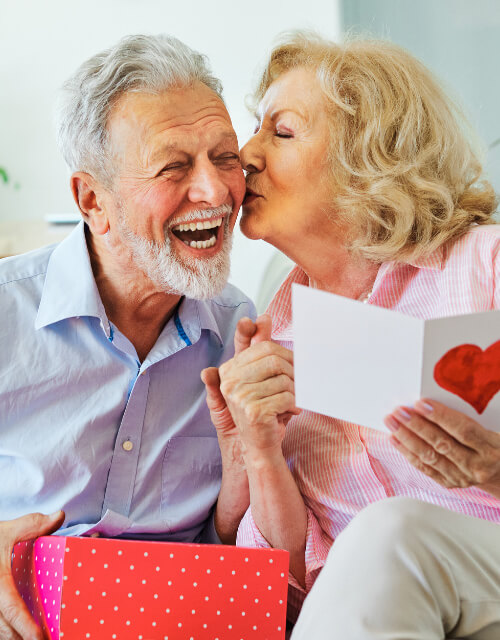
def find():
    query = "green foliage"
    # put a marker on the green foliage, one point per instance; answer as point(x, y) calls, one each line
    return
point(6, 179)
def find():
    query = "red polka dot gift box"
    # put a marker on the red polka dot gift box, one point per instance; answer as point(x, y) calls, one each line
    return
point(105, 589)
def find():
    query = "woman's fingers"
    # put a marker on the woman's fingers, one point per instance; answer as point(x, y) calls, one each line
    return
point(256, 352)
point(471, 457)
point(245, 330)
point(240, 396)
point(249, 332)
point(271, 387)
point(432, 441)
point(429, 470)
point(456, 424)
point(424, 457)
point(264, 326)
point(260, 370)
point(266, 410)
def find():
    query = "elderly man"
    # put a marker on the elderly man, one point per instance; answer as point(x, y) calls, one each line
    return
point(102, 410)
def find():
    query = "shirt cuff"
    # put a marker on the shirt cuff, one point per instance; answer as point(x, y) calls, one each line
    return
point(318, 545)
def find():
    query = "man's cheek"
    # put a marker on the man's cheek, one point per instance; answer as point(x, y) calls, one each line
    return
point(239, 186)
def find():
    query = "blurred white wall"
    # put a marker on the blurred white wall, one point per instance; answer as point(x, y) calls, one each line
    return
point(42, 42)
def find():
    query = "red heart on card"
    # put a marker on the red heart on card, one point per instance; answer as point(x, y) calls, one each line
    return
point(470, 373)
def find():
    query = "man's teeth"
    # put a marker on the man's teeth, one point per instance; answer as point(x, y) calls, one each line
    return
point(198, 226)
point(201, 244)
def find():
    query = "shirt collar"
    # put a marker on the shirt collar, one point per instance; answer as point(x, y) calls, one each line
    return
point(196, 315)
point(434, 261)
point(280, 307)
point(69, 289)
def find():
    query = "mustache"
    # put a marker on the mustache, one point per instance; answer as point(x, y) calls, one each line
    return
point(203, 214)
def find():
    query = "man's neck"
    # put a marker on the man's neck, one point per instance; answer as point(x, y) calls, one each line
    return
point(131, 301)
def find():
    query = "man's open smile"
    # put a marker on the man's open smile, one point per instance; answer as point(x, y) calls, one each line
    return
point(199, 234)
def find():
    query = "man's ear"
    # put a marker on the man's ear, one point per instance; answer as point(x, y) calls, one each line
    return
point(88, 195)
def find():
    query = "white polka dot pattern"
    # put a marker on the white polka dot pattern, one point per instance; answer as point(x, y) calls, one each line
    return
point(79, 588)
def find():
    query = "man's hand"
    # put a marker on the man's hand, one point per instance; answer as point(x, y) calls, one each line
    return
point(247, 333)
point(15, 620)
point(234, 496)
point(447, 445)
point(258, 388)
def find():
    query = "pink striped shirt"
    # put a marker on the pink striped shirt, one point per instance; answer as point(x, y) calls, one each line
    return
point(341, 467)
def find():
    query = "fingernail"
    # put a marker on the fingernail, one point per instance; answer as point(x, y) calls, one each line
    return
point(391, 423)
point(403, 413)
point(425, 406)
point(56, 514)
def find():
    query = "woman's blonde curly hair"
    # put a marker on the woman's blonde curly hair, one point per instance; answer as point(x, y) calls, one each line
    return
point(405, 174)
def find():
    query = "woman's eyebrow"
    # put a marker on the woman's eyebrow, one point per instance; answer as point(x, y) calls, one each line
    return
point(278, 112)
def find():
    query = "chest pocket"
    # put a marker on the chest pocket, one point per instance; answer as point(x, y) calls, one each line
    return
point(191, 476)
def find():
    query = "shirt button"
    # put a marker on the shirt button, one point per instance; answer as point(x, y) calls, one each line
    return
point(128, 445)
point(96, 534)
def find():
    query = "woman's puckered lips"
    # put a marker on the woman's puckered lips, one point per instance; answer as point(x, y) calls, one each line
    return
point(250, 195)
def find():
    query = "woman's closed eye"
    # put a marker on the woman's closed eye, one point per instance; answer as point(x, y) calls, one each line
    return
point(283, 132)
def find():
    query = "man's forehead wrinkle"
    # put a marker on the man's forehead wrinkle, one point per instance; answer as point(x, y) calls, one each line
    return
point(184, 141)
point(152, 127)
point(204, 118)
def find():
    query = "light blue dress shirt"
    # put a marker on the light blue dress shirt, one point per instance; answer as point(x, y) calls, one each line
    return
point(126, 449)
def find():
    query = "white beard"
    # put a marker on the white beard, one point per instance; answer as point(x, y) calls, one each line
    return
point(198, 278)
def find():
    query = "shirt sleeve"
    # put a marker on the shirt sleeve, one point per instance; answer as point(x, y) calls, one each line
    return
point(318, 545)
point(209, 533)
point(496, 276)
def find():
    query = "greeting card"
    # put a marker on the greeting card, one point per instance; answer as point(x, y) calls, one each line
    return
point(358, 362)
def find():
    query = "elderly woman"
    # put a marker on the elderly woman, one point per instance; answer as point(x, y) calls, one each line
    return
point(361, 171)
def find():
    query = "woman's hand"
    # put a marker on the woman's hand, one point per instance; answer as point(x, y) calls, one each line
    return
point(447, 445)
point(251, 398)
point(258, 387)
point(234, 494)
point(247, 333)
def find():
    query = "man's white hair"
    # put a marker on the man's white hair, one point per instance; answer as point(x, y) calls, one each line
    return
point(137, 63)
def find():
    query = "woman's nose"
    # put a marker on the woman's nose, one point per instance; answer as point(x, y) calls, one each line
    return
point(252, 155)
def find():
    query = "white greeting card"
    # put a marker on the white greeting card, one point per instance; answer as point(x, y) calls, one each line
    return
point(358, 362)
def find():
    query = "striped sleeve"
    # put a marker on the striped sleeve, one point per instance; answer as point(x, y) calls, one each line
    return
point(496, 276)
point(317, 546)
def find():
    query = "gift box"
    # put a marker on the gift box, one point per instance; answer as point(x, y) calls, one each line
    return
point(80, 588)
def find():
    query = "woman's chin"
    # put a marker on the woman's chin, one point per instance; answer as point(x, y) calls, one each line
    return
point(249, 228)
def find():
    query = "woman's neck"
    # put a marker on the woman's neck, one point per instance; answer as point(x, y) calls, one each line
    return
point(332, 267)
point(350, 278)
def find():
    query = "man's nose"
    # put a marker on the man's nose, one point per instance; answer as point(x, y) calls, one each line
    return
point(207, 185)
point(252, 156)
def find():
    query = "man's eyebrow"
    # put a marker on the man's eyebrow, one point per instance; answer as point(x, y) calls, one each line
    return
point(228, 135)
point(174, 147)
point(164, 150)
